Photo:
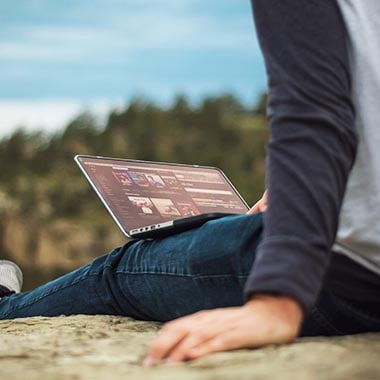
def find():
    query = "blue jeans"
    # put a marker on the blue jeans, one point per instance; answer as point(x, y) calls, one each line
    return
point(163, 279)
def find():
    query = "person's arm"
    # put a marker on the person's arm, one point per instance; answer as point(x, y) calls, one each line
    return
point(311, 152)
point(312, 146)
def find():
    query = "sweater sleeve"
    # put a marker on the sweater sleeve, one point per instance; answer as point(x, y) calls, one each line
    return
point(312, 146)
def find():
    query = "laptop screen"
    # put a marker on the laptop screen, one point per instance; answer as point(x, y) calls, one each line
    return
point(140, 193)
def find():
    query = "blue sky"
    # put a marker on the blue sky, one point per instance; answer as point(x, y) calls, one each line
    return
point(60, 57)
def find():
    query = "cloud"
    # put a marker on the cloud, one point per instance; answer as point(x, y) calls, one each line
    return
point(48, 115)
point(16, 51)
point(84, 49)
point(182, 31)
point(138, 26)
point(50, 43)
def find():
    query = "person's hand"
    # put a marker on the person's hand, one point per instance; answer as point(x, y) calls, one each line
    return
point(259, 206)
point(261, 321)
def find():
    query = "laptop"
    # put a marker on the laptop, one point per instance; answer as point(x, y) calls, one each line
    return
point(154, 199)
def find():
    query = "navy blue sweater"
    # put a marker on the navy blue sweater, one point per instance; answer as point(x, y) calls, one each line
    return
point(312, 146)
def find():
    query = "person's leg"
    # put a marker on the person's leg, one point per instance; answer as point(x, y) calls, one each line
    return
point(333, 315)
point(158, 279)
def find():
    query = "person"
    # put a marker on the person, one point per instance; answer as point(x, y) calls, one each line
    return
point(310, 264)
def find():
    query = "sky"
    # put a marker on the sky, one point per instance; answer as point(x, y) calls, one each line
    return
point(62, 57)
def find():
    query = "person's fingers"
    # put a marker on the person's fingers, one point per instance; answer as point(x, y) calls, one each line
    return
point(202, 328)
point(260, 205)
point(168, 338)
point(180, 352)
point(227, 341)
point(171, 335)
point(255, 208)
point(177, 337)
point(264, 202)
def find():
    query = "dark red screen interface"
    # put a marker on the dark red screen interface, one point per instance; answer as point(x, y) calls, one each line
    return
point(140, 193)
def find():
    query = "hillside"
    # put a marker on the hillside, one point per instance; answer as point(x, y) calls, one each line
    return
point(52, 221)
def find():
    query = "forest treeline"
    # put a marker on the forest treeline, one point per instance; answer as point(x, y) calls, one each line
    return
point(40, 179)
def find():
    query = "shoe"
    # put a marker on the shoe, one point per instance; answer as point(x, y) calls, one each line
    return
point(10, 276)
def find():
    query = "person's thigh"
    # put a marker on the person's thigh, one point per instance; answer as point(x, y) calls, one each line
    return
point(159, 279)
point(333, 315)
point(204, 268)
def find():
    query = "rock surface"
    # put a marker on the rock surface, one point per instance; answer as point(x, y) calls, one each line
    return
point(108, 347)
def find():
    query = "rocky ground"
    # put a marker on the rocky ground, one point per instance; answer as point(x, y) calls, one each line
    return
point(107, 347)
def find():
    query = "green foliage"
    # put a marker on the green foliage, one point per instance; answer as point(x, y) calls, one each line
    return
point(38, 170)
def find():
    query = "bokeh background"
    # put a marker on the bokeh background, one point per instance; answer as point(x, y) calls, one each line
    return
point(146, 79)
